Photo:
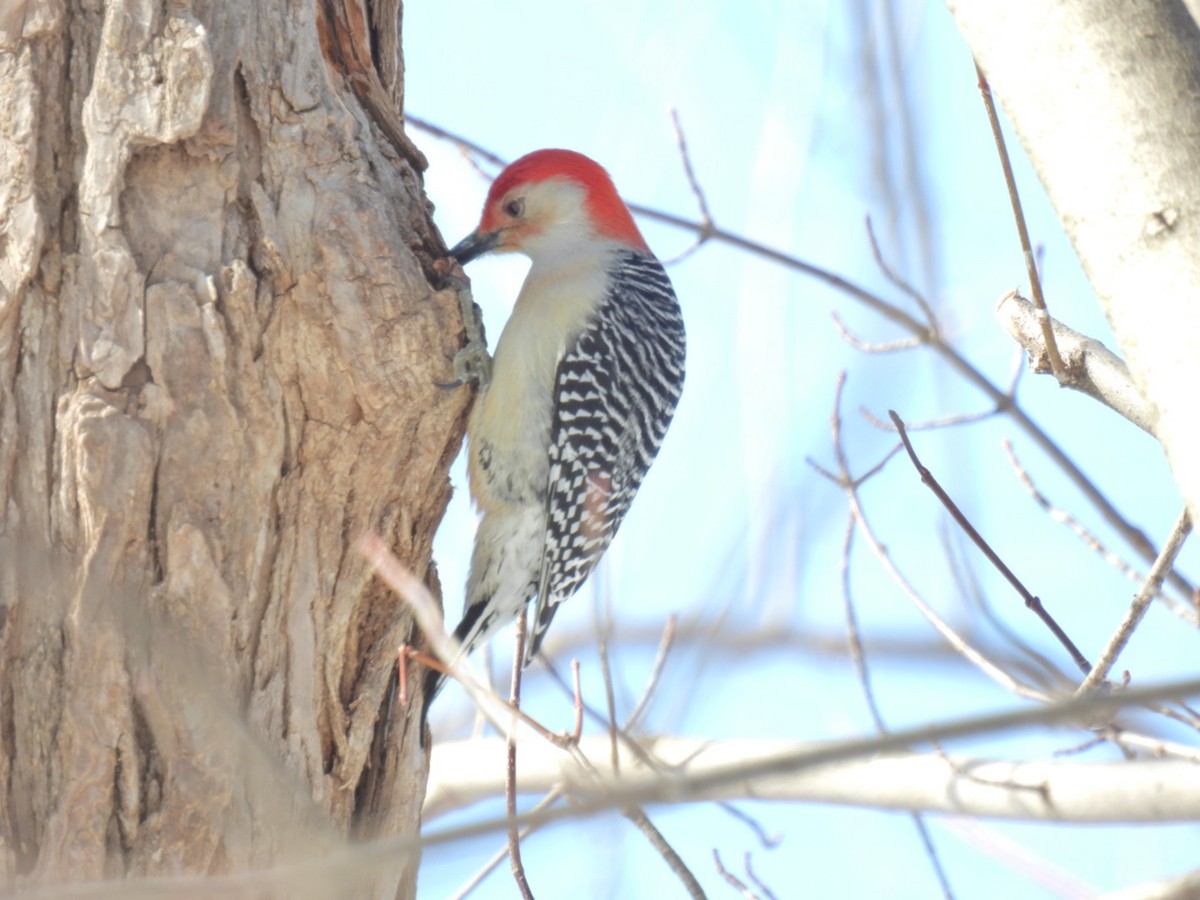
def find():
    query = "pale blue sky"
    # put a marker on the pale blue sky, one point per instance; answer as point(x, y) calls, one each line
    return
point(795, 147)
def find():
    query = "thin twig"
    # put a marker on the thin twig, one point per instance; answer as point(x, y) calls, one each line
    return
point(660, 661)
point(1155, 746)
point(857, 656)
point(953, 638)
point(766, 638)
point(1038, 789)
point(578, 700)
point(1019, 859)
point(853, 636)
point(767, 893)
point(1089, 744)
point(1193, 715)
point(1017, 371)
point(510, 785)
point(595, 715)
point(731, 879)
point(897, 282)
point(502, 854)
point(638, 817)
point(1187, 719)
point(1031, 601)
point(429, 618)
point(1058, 514)
point(866, 346)
point(611, 702)
point(486, 655)
point(689, 170)
point(469, 146)
point(768, 841)
point(1039, 667)
point(1166, 559)
point(954, 421)
point(706, 221)
point(633, 813)
point(1035, 281)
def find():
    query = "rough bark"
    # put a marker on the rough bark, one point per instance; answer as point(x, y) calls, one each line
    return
point(1103, 97)
point(219, 358)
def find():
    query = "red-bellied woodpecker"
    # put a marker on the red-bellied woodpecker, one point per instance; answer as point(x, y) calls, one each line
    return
point(585, 379)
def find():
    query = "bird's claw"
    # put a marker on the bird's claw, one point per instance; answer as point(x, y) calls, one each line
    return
point(472, 364)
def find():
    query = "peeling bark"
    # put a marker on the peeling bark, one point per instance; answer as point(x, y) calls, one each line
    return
point(219, 350)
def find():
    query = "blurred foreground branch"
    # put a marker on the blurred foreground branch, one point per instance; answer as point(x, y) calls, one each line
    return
point(1060, 791)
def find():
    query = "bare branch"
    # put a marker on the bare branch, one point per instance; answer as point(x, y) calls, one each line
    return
point(1032, 664)
point(429, 619)
point(1018, 858)
point(930, 424)
point(1154, 746)
point(702, 769)
point(1088, 366)
point(1056, 513)
point(1152, 791)
point(897, 282)
point(732, 880)
point(867, 346)
point(610, 701)
point(1035, 281)
point(697, 191)
point(977, 658)
point(768, 841)
point(766, 892)
point(510, 770)
point(852, 631)
point(660, 660)
point(864, 678)
point(500, 855)
point(638, 817)
point(1183, 527)
point(706, 221)
point(469, 146)
point(1031, 601)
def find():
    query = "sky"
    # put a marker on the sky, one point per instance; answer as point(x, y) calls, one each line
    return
point(794, 115)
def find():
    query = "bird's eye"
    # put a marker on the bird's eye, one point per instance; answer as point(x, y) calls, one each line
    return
point(515, 207)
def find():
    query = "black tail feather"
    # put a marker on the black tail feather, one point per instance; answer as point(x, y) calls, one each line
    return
point(433, 678)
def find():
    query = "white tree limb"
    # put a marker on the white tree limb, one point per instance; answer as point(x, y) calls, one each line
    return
point(466, 772)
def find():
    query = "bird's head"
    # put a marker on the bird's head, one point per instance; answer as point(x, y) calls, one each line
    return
point(551, 204)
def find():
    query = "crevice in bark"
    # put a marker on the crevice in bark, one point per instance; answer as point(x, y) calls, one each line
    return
point(152, 544)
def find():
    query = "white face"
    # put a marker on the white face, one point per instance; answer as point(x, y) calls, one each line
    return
point(546, 219)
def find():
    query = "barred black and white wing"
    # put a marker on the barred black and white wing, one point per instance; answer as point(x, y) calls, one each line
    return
point(615, 392)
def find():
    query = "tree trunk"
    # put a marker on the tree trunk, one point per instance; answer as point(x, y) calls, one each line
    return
point(219, 358)
point(1103, 96)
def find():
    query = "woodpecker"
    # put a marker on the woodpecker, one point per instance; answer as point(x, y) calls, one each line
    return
point(585, 379)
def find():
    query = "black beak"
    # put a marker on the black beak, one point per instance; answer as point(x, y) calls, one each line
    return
point(474, 245)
